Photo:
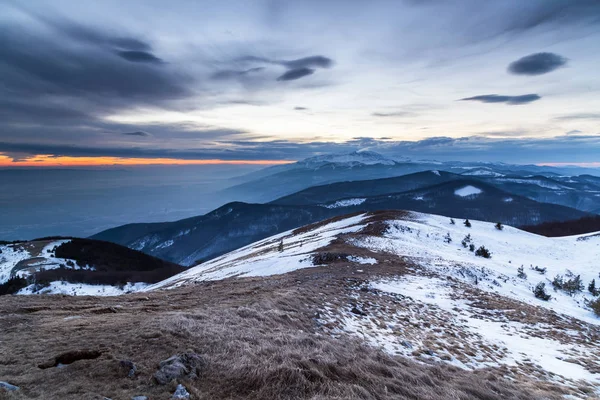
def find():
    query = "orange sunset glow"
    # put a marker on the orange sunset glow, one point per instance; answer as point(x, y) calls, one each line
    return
point(48, 160)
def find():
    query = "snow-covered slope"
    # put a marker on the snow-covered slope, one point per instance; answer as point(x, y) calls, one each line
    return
point(23, 259)
point(424, 238)
point(266, 257)
point(436, 244)
point(415, 290)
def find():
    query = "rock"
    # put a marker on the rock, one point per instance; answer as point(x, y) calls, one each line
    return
point(185, 365)
point(128, 368)
point(9, 387)
point(139, 398)
point(180, 393)
point(356, 311)
point(429, 352)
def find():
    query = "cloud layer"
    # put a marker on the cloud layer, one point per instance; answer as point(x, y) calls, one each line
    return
point(288, 82)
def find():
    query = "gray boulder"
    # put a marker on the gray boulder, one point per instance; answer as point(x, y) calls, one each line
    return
point(128, 368)
point(180, 393)
point(8, 386)
point(185, 365)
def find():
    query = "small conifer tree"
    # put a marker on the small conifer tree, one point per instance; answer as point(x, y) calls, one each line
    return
point(448, 238)
point(467, 223)
point(280, 246)
point(592, 288)
point(466, 241)
point(499, 226)
point(483, 252)
point(595, 306)
point(452, 221)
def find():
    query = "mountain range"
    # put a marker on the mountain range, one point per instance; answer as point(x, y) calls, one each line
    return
point(493, 193)
point(366, 165)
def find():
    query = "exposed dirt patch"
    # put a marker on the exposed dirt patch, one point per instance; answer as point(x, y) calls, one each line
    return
point(70, 357)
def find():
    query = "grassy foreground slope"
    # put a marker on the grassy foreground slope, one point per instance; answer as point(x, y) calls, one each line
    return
point(261, 339)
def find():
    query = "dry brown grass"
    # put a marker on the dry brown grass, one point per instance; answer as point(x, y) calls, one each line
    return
point(260, 336)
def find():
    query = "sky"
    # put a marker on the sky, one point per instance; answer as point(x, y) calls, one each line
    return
point(193, 82)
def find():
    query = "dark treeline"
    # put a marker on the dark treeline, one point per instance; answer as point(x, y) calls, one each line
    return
point(566, 228)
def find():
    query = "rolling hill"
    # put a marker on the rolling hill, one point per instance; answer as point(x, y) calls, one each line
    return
point(418, 291)
point(77, 267)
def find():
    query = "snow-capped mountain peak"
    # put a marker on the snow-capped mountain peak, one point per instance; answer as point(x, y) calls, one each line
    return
point(347, 159)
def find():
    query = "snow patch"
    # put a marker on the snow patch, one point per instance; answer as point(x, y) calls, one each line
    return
point(520, 347)
point(165, 244)
point(82, 289)
point(346, 203)
point(467, 191)
point(362, 260)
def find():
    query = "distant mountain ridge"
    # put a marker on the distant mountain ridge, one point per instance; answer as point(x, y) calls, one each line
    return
point(236, 224)
point(263, 185)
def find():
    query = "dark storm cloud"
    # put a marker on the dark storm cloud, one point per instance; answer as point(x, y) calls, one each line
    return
point(137, 133)
point(294, 74)
point(35, 66)
point(537, 64)
point(14, 111)
point(512, 100)
point(139, 56)
point(81, 33)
